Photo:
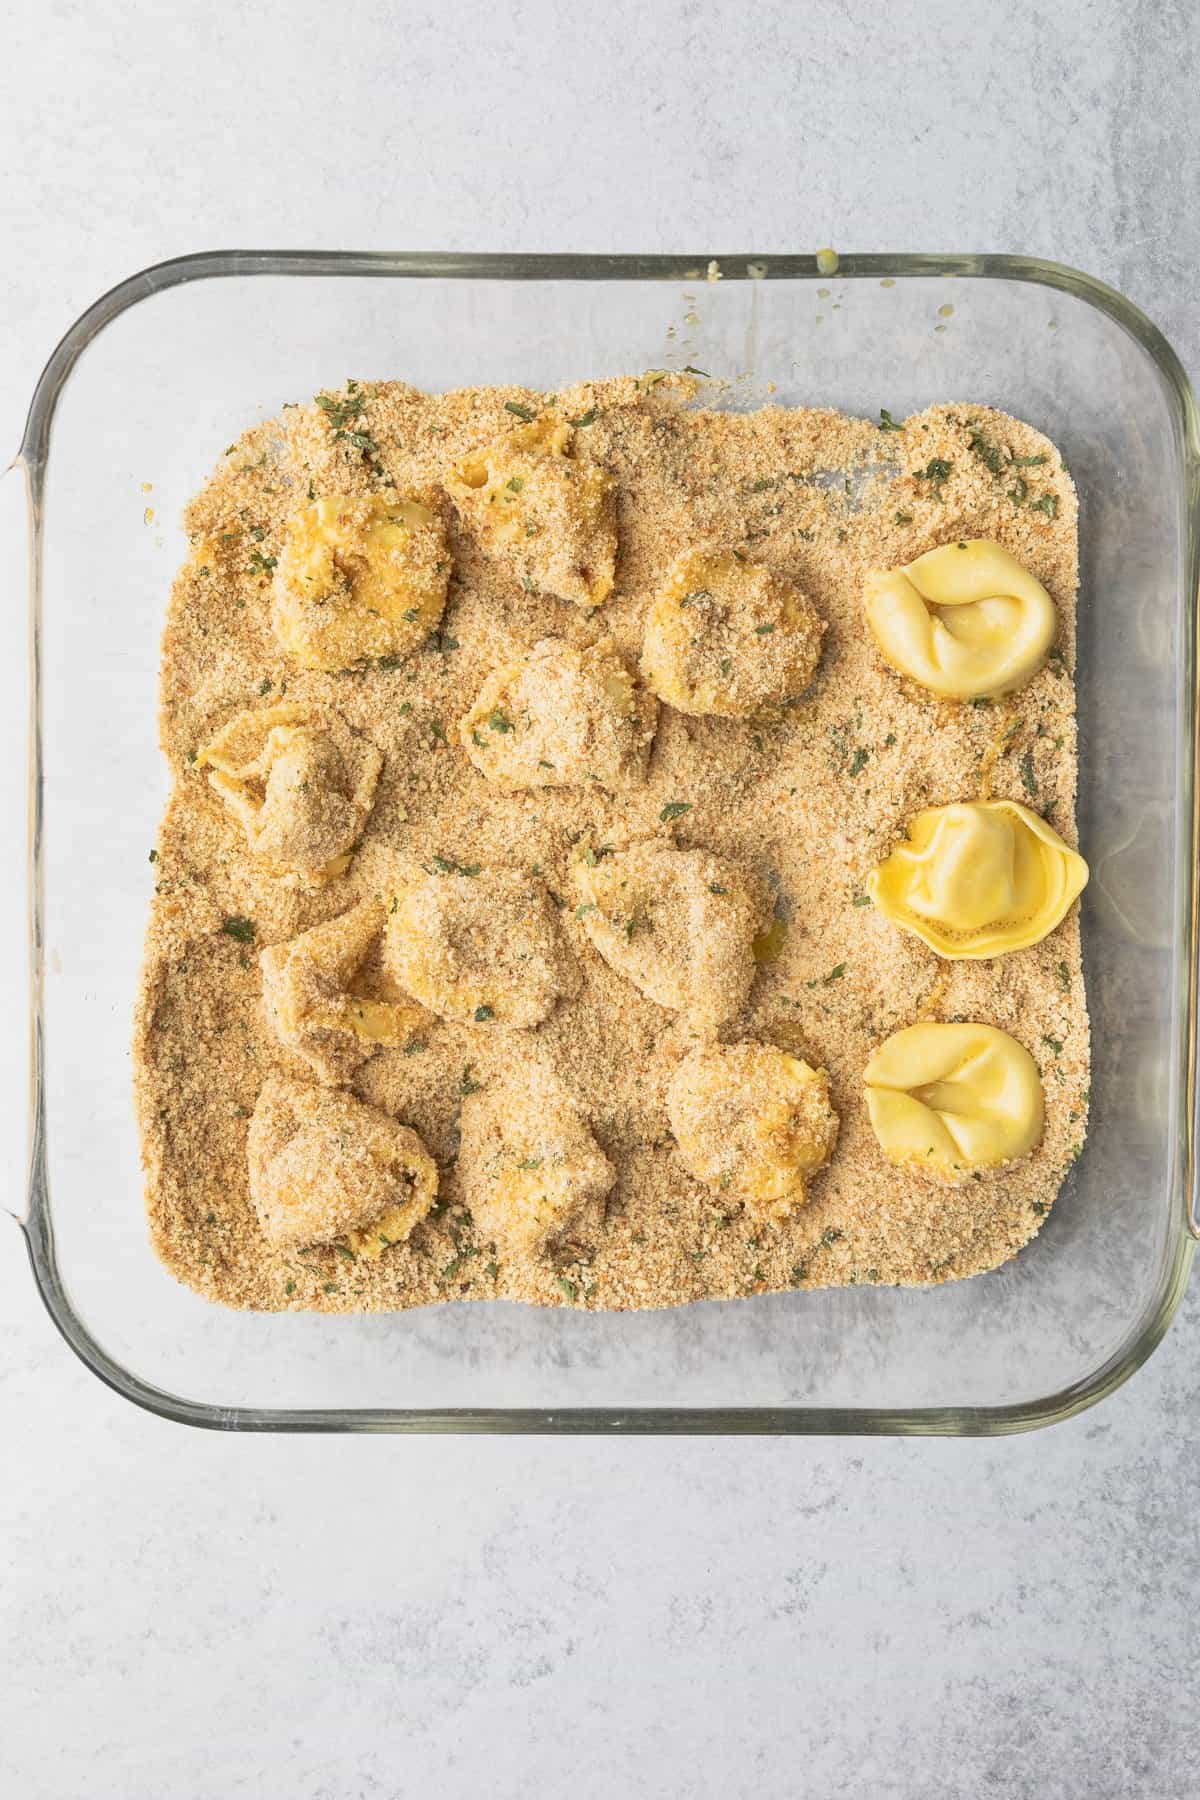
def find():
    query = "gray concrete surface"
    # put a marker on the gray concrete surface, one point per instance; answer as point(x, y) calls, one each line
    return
point(185, 1616)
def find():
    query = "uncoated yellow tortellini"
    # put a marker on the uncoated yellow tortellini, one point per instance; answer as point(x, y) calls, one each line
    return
point(966, 620)
point(979, 878)
point(947, 1099)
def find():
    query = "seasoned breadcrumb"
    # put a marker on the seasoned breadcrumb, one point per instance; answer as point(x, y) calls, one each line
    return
point(804, 801)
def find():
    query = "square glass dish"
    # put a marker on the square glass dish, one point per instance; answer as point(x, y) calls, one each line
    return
point(149, 386)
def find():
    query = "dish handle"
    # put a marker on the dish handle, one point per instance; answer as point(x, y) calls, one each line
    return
point(20, 824)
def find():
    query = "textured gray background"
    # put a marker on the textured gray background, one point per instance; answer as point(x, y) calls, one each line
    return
point(186, 1615)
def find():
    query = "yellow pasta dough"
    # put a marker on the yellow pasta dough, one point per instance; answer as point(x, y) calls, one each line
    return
point(360, 576)
point(727, 636)
point(979, 878)
point(948, 1099)
point(532, 1172)
point(966, 620)
point(324, 1001)
point(753, 1122)
point(324, 1166)
point(562, 717)
point(546, 511)
point(300, 783)
point(679, 924)
point(479, 945)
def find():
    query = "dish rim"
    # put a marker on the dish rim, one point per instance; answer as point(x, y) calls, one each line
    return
point(976, 1421)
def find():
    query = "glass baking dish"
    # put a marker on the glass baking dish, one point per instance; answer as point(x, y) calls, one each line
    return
point(149, 385)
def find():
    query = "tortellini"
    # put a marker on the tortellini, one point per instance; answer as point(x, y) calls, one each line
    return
point(327, 1001)
point(561, 718)
point(532, 1172)
point(753, 1123)
point(299, 782)
point(360, 576)
point(979, 878)
point(966, 620)
point(324, 1167)
point(679, 924)
point(948, 1099)
point(548, 513)
point(481, 946)
point(729, 637)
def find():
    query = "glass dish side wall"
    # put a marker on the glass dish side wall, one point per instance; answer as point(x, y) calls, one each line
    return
point(158, 393)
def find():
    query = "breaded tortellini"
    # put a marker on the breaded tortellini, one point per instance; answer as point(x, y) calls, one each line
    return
point(326, 998)
point(730, 637)
point(561, 717)
point(948, 1099)
point(543, 509)
point(300, 783)
point(979, 878)
point(532, 1172)
point(325, 1167)
point(752, 1122)
point(481, 946)
point(966, 620)
point(679, 924)
point(360, 577)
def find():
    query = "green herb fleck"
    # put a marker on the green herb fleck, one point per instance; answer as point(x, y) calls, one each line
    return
point(1064, 978)
point(414, 1046)
point(936, 472)
point(1027, 774)
point(886, 421)
point(444, 866)
point(859, 760)
point(763, 630)
point(675, 809)
point(566, 1287)
point(468, 1084)
point(1048, 504)
point(587, 418)
point(265, 685)
point(340, 412)
point(263, 564)
point(987, 452)
point(242, 930)
point(522, 412)
point(499, 721)
point(835, 974)
point(862, 900)
point(691, 369)
point(902, 518)
point(1054, 1043)
point(482, 1013)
